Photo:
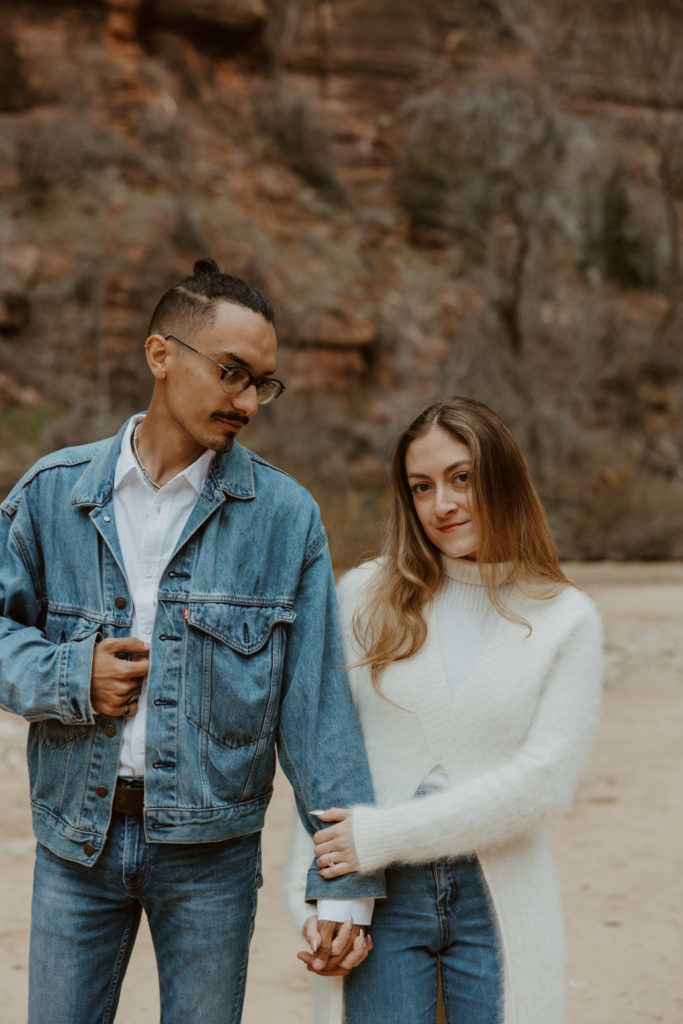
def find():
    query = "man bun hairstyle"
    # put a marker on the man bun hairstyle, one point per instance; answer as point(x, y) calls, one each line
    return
point(192, 302)
point(207, 266)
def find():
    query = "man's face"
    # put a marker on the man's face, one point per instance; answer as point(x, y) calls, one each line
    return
point(193, 395)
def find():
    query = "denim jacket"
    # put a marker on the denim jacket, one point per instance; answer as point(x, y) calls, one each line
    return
point(245, 657)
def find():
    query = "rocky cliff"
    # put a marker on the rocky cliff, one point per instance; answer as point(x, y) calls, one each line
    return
point(473, 196)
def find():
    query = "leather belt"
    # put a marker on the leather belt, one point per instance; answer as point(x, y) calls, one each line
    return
point(129, 796)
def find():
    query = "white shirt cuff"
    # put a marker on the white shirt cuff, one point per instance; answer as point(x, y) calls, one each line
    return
point(342, 910)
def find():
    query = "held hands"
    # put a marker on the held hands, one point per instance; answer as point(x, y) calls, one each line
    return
point(336, 948)
point(119, 668)
point(334, 849)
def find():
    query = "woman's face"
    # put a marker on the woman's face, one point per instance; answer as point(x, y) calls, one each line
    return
point(438, 468)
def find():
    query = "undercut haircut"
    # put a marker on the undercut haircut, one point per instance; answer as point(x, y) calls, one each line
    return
point(192, 302)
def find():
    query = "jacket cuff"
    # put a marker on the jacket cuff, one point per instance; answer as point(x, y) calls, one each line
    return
point(353, 886)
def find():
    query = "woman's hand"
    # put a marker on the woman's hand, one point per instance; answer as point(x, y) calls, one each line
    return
point(334, 849)
point(336, 949)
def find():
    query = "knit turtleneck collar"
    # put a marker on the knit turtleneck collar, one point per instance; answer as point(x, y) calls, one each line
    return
point(461, 569)
point(466, 571)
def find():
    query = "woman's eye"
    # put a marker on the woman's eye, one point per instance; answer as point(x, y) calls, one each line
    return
point(420, 488)
point(461, 478)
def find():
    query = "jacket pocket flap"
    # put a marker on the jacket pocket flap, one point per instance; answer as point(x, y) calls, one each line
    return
point(245, 628)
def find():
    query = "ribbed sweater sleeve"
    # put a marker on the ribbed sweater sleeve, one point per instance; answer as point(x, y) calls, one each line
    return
point(515, 795)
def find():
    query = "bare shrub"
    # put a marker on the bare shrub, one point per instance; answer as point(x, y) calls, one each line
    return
point(15, 91)
point(618, 247)
point(295, 123)
point(621, 512)
point(65, 151)
point(472, 153)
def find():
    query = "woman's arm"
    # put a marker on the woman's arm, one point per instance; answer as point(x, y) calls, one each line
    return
point(295, 876)
point(510, 799)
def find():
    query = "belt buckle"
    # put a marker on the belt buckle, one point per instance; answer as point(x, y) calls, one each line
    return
point(129, 796)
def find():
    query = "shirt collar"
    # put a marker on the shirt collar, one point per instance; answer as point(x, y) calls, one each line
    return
point(127, 467)
point(231, 475)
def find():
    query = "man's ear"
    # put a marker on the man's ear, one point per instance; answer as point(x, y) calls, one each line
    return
point(157, 350)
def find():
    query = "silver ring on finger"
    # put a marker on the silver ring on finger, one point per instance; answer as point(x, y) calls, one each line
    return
point(129, 705)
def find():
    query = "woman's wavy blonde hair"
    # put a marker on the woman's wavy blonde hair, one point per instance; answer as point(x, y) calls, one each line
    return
point(515, 545)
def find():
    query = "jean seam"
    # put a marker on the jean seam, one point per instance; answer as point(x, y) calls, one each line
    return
point(444, 995)
point(442, 913)
point(238, 1002)
point(132, 883)
point(114, 984)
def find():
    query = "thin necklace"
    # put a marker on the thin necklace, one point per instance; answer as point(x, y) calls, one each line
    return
point(152, 483)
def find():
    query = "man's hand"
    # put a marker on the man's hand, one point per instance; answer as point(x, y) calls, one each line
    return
point(119, 667)
point(337, 948)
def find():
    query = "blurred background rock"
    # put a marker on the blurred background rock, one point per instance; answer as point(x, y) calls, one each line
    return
point(471, 196)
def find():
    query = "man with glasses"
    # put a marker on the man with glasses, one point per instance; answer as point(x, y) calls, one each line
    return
point(168, 621)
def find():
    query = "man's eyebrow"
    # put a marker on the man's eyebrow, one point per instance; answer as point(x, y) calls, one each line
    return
point(231, 359)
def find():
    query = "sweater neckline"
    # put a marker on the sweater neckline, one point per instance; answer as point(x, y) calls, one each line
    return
point(465, 570)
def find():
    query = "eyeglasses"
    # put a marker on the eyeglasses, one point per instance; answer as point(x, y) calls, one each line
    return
point(235, 379)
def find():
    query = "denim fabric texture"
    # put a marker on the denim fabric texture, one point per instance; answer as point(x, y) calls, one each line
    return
point(434, 914)
point(200, 901)
point(245, 658)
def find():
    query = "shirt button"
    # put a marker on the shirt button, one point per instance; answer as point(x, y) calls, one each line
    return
point(120, 602)
point(101, 790)
point(107, 519)
point(88, 849)
point(110, 730)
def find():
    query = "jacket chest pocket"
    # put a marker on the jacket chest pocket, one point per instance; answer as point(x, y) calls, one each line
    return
point(233, 669)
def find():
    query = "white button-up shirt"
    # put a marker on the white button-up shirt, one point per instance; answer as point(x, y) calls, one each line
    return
point(148, 524)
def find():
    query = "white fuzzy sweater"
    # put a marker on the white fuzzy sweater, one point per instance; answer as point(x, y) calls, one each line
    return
point(512, 739)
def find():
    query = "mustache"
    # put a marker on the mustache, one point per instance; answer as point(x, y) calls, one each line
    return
point(230, 416)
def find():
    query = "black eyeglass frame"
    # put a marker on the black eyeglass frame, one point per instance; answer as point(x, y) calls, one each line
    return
point(264, 397)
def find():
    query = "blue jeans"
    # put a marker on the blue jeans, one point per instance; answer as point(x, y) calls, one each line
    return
point(200, 900)
point(435, 915)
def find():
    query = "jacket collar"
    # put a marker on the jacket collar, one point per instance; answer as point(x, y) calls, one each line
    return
point(231, 474)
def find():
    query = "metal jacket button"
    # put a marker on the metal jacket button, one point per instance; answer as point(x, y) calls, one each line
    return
point(120, 602)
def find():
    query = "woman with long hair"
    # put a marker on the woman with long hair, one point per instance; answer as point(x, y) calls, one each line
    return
point(476, 668)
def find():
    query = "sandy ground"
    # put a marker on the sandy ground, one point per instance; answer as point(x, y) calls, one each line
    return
point(619, 850)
